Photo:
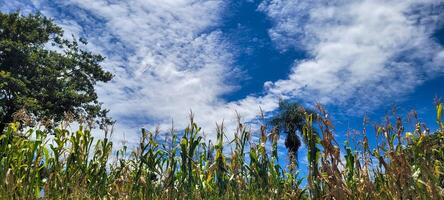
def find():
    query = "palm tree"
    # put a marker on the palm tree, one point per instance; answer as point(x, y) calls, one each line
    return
point(290, 119)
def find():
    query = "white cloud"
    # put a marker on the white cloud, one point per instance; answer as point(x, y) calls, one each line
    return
point(13, 6)
point(362, 52)
point(177, 62)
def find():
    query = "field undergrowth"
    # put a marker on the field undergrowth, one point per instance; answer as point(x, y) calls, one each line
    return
point(62, 164)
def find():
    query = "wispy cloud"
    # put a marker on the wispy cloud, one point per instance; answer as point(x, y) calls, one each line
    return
point(176, 60)
point(362, 52)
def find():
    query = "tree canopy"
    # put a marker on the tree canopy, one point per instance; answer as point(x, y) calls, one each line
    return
point(45, 74)
point(290, 119)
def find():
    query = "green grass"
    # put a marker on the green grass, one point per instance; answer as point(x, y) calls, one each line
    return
point(60, 164)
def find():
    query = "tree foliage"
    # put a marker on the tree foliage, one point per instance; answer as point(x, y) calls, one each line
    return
point(45, 74)
point(290, 119)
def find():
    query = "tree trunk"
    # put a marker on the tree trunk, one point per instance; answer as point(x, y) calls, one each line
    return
point(292, 142)
point(2, 126)
point(5, 121)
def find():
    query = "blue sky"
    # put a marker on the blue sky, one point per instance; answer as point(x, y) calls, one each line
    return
point(247, 28)
point(221, 56)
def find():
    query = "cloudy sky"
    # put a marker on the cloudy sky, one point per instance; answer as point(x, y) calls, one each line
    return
point(216, 57)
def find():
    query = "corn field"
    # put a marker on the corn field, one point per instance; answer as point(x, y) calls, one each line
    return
point(61, 164)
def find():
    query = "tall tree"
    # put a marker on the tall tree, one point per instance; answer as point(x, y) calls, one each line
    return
point(45, 74)
point(290, 119)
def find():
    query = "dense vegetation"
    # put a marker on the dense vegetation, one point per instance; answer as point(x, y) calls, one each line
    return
point(59, 164)
point(45, 74)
